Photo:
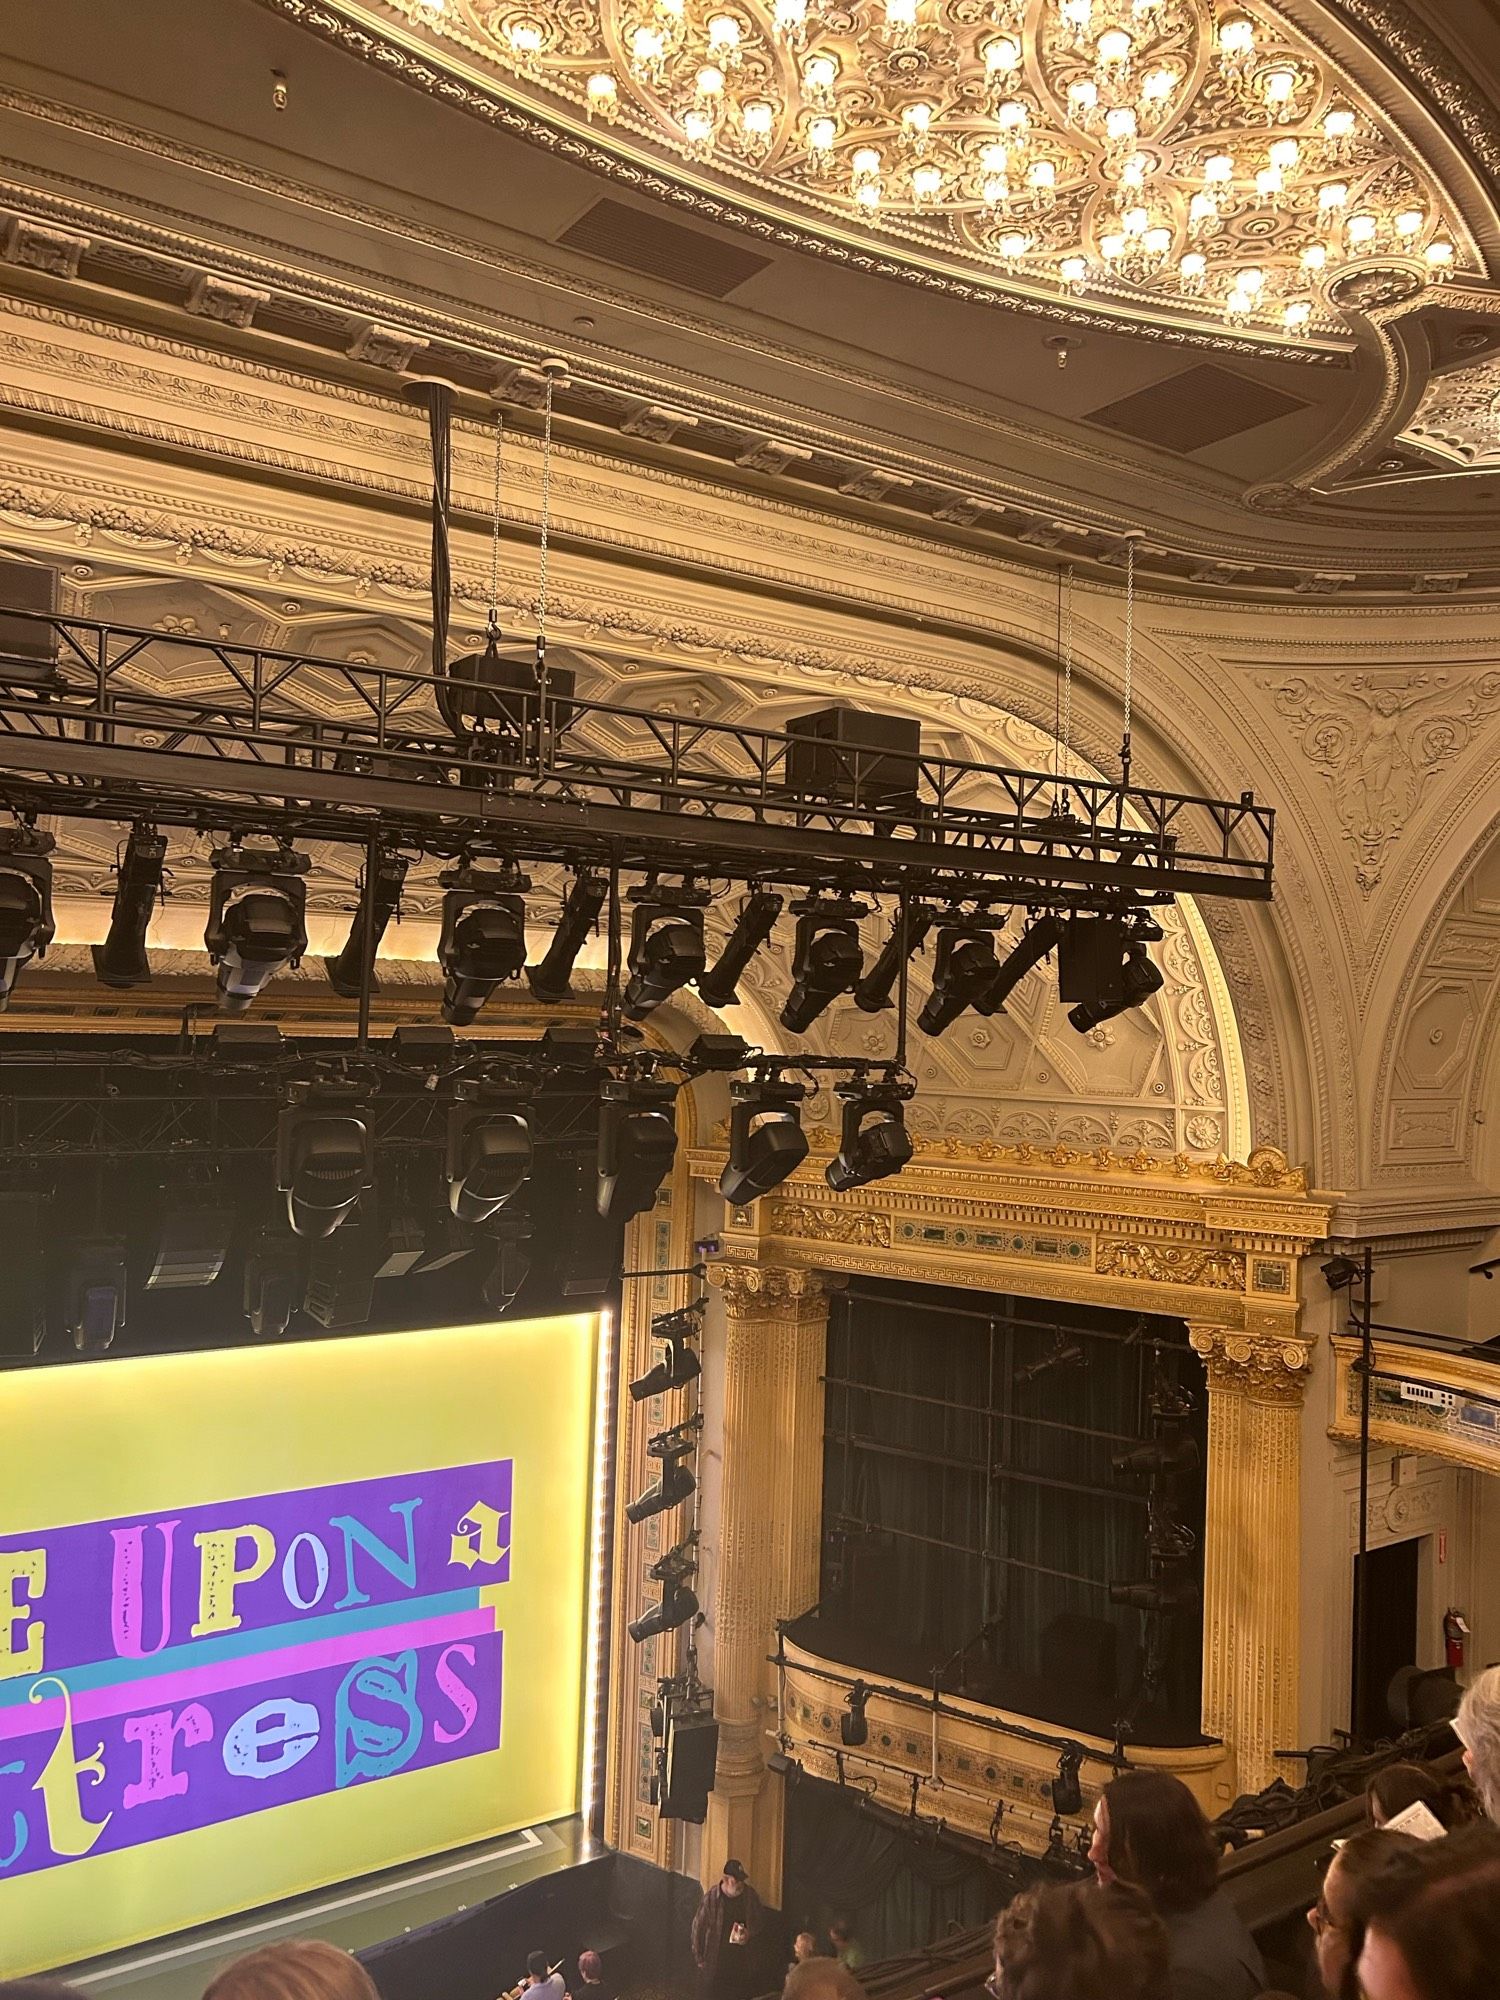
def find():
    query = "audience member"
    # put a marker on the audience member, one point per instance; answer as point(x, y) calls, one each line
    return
point(1477, 1727)
point(725, 1938)
point(301, 1970)
point(592, 1984)
point(1435, 1934)
point(1081, 1941)
point(821, 1979)
point(804, 1947)
point(847, 1948)
point(1351, 1892)
point(39, 1989)
point(542, 1983)
point(1397, 1787)
point(1149, 1830)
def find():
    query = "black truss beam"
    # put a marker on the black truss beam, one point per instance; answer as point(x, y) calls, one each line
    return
point(278, 740)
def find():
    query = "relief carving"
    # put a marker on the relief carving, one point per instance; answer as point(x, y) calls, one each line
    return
point(1172, 1264)
point(831, 1225)
point(1268, 1371)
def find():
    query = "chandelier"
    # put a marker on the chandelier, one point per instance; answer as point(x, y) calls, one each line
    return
point(1165, 158)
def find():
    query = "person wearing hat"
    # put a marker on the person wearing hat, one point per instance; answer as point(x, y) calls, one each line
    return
point(726, 1936)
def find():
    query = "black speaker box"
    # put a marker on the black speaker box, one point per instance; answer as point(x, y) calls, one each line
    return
point(689, 1764)
point(28, 649)
point(853, 758)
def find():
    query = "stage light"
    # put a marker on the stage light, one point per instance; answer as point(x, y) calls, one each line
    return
point(257, 918)
point(121, 960)
point(482, 939)
point(272, 1283)
point(377, 905)
point(637, 1145)
point(873, 1140)
point(1168, 1594)
point(489, 1152)
point(718, 1052)
point(766, 1139)
point(874, 991)
point(677, 1603)
point(512, 1265)
point(854, 1729)
point(1040, 936)
point(678, 1366)
point(1341, 1272)
point(1123, 973)
point(666, 945)
point(551, 977)
point(963, 975)
point(324, 1159)
point(569, 1047)
point(1168, 1457)
point(94, 1299)
point(26, 927)
point(676, 1481)
point(826, 958)
point(754, 924)
point(1067, 1793)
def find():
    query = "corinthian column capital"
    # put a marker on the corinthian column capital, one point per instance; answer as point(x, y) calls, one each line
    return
point(1268, 1367)
point(772, 1291)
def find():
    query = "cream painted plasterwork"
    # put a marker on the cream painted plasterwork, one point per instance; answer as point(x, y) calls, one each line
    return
point(1450, 1408)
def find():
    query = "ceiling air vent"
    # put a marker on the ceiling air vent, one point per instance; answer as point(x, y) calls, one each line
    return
point(1202, 406)
point(637, 240)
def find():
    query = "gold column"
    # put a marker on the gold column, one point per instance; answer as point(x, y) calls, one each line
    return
point(770, 1511)
point(1251, 1568)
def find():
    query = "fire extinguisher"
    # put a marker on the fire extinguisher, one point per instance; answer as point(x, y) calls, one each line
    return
point(1455, 1636)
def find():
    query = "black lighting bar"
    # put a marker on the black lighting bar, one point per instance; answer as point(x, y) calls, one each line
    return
point(586, 782)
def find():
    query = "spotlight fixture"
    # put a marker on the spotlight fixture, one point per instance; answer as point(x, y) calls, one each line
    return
point(677, 1603)
point(1341, 1272)
point(637, 1144)
point(257, 918)
point(1117, 972)
point(666, 945)
point(1067, 1793)
point(854, 1729)
point(826, 957)
point(324, 1158)
point(676, 1482)
point(1166, 1594)
point(722, 1052)
point(121, 960)
point(963, 975)
point(378, 903)
point(273, 1283)
point(766, 1139)
point(94, 1300)
point(489, 1151)
point(1040, 936)
point(551, 977)
point(679, 1365)
point(873, 1140)
point(1172, 1455)
point(873, 993)
point(483, 936)
point(26, 927)
point(753, 925)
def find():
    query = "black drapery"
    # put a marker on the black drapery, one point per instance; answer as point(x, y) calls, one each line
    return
point(968, 1487)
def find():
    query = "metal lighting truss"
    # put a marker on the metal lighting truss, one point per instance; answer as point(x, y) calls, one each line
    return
point(285, 742)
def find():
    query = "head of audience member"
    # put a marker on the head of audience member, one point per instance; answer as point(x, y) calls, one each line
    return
point(39, 1989)
point(1150, 1830)
point(1080, 1941)
point(300, 1970)
point(1435, 1933)
point(1397, 1787)
point(537, 1970)
point(821, 1979)
point(1351, 1890)
point(1477, 1727)
point(732, 1878)
point(591, 1968)
point(804, 1947)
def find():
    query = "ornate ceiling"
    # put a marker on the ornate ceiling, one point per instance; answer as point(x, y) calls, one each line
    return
point(1160, 159)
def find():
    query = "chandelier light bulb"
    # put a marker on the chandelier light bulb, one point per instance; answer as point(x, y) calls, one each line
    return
point(1158, 241)
point(1077, 14)
point(996, 189)
point(1440, 256)
point(1362, 228)
point(821, 133)
point(647, 46)
point(710, 81)
point(916, 118)
point(1157, 86)
point(1239, 305)
point(1113, 48)
point(901, 18)
point(1203, 211)
point(1338, 123)
point(995, 158)
point(820, 75)
point(1015, 243)
point(1112, 246)
point(1002, 54)
point(1237, 35)
point(1119, 124)
point(1133, 172)
point(724, 36)
point(1252, 281)
point(1218, 169)
point(603, 93)
point(1042, 174)
point(1409, 222)
point(1083, 97)
point(1284, 154)
point(1314, 256)
point(698, 124)
point(1278, 86)
point(1269, 181)
point(1135, 221)
point(1298, 312)
point(790, 17)
point(758, 118)
point(1074, 272)
point(867, 194)
point(927, 182)
point(1333, 195)
point(1192, 268)
point(526, 36)
point(1011, 116)
point(866, 161)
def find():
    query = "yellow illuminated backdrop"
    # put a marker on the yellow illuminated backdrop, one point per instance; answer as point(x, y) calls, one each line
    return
point(275, 1617)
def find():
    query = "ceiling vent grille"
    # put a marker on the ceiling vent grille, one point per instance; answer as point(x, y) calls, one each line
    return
point(1202, 406)
point(657, 247)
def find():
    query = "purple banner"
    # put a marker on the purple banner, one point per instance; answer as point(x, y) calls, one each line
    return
point(161, 1674)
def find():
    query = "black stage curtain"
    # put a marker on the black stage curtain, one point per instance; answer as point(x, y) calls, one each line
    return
point(968, 1489)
